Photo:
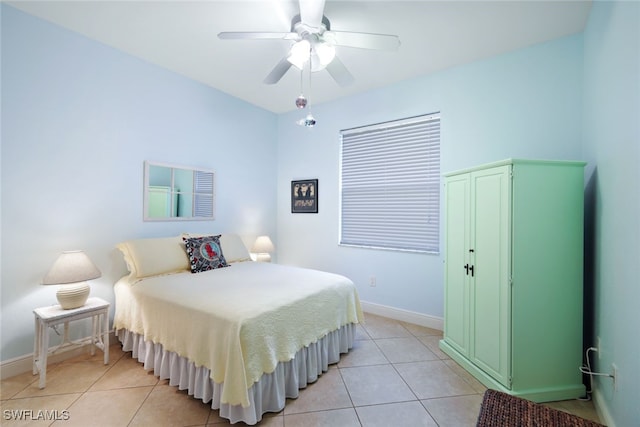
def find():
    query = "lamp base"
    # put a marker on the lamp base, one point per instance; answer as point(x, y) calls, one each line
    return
point(263, 257)
point(73, 295)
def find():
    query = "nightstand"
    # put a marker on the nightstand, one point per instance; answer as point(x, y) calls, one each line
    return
point(52, 316)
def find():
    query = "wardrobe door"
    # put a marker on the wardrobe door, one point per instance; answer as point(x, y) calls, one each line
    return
point(456, 248)
point(489, 254)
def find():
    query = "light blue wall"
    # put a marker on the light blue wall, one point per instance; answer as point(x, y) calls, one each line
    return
point(523, 104)
point(612, 144)
point(78, 121)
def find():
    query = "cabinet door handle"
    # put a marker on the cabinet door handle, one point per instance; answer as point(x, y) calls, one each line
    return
point(471, 268)
point(466, 267)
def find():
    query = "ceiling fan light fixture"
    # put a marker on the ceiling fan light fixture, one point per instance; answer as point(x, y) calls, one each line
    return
point(318, 52)
point(299, 53)
point(325, 53)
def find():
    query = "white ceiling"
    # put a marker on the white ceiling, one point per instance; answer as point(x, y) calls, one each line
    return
point(182, 36)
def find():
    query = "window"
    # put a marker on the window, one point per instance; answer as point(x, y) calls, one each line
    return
point(390, 185)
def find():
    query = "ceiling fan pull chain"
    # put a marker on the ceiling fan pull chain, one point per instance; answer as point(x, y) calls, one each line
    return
point(301, 100)
point(307, 121)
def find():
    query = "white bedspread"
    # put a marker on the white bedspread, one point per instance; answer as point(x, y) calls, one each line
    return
point(238, 321)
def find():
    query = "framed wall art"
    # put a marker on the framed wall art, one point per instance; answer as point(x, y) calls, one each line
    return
point(304, 196)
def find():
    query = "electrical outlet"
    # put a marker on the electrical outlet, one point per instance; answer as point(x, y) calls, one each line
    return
point(614, 368)
point(372, 281)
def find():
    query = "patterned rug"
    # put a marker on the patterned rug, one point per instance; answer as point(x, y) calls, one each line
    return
point(503, 410)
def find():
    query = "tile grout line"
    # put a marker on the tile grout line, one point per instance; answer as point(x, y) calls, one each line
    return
point(353, 406)
point(438, 359)
point(111, 365)
point(133, 417)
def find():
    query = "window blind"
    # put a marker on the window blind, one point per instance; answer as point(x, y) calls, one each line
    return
point(202, 194)
point(390, 185)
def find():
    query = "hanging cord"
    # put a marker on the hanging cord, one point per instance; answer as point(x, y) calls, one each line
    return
point(302, 101)
point(587, 370)
point(310, 68)
point(309, 121)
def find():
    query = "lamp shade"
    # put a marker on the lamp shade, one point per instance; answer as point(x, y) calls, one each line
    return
point(263, 247)
point(72, 269)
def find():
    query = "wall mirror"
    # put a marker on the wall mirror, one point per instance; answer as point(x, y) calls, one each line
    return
point(177, 193)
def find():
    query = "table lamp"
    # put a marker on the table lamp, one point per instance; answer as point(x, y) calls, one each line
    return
point(263, 248)
point(71, 271)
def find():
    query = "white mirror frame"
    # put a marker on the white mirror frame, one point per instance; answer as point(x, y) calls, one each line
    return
point(165, 200)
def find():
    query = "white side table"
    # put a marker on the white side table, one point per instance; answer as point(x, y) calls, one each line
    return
point(51, 316)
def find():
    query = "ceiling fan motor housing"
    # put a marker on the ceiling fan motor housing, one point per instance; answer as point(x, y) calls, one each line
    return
point(298, 27)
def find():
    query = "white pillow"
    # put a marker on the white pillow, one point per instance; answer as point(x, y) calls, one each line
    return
point(233, 248)
point(153, 257)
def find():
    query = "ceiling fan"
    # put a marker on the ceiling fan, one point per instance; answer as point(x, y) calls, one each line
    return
point(314, 41)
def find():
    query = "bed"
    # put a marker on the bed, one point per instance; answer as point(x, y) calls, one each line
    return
point(242, 335)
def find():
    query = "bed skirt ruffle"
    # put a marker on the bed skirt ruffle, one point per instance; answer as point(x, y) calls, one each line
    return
point(267, 395)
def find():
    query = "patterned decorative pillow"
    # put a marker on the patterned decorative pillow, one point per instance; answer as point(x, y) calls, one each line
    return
point(205, 253)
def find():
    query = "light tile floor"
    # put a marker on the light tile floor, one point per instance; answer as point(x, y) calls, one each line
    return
point(394, 376)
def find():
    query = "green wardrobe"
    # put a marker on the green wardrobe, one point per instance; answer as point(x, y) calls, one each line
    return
point(513, 276)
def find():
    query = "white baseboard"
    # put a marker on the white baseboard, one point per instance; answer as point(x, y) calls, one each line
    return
point(601, 407)
point(21, 364)
point(403, 315)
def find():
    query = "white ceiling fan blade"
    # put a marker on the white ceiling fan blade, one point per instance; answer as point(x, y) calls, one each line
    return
point(311, 12)
point(278, 71)
point(340, 73)
point(363, 40)
point(240, 35)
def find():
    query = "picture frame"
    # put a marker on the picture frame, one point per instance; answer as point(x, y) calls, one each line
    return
point(304, 196)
